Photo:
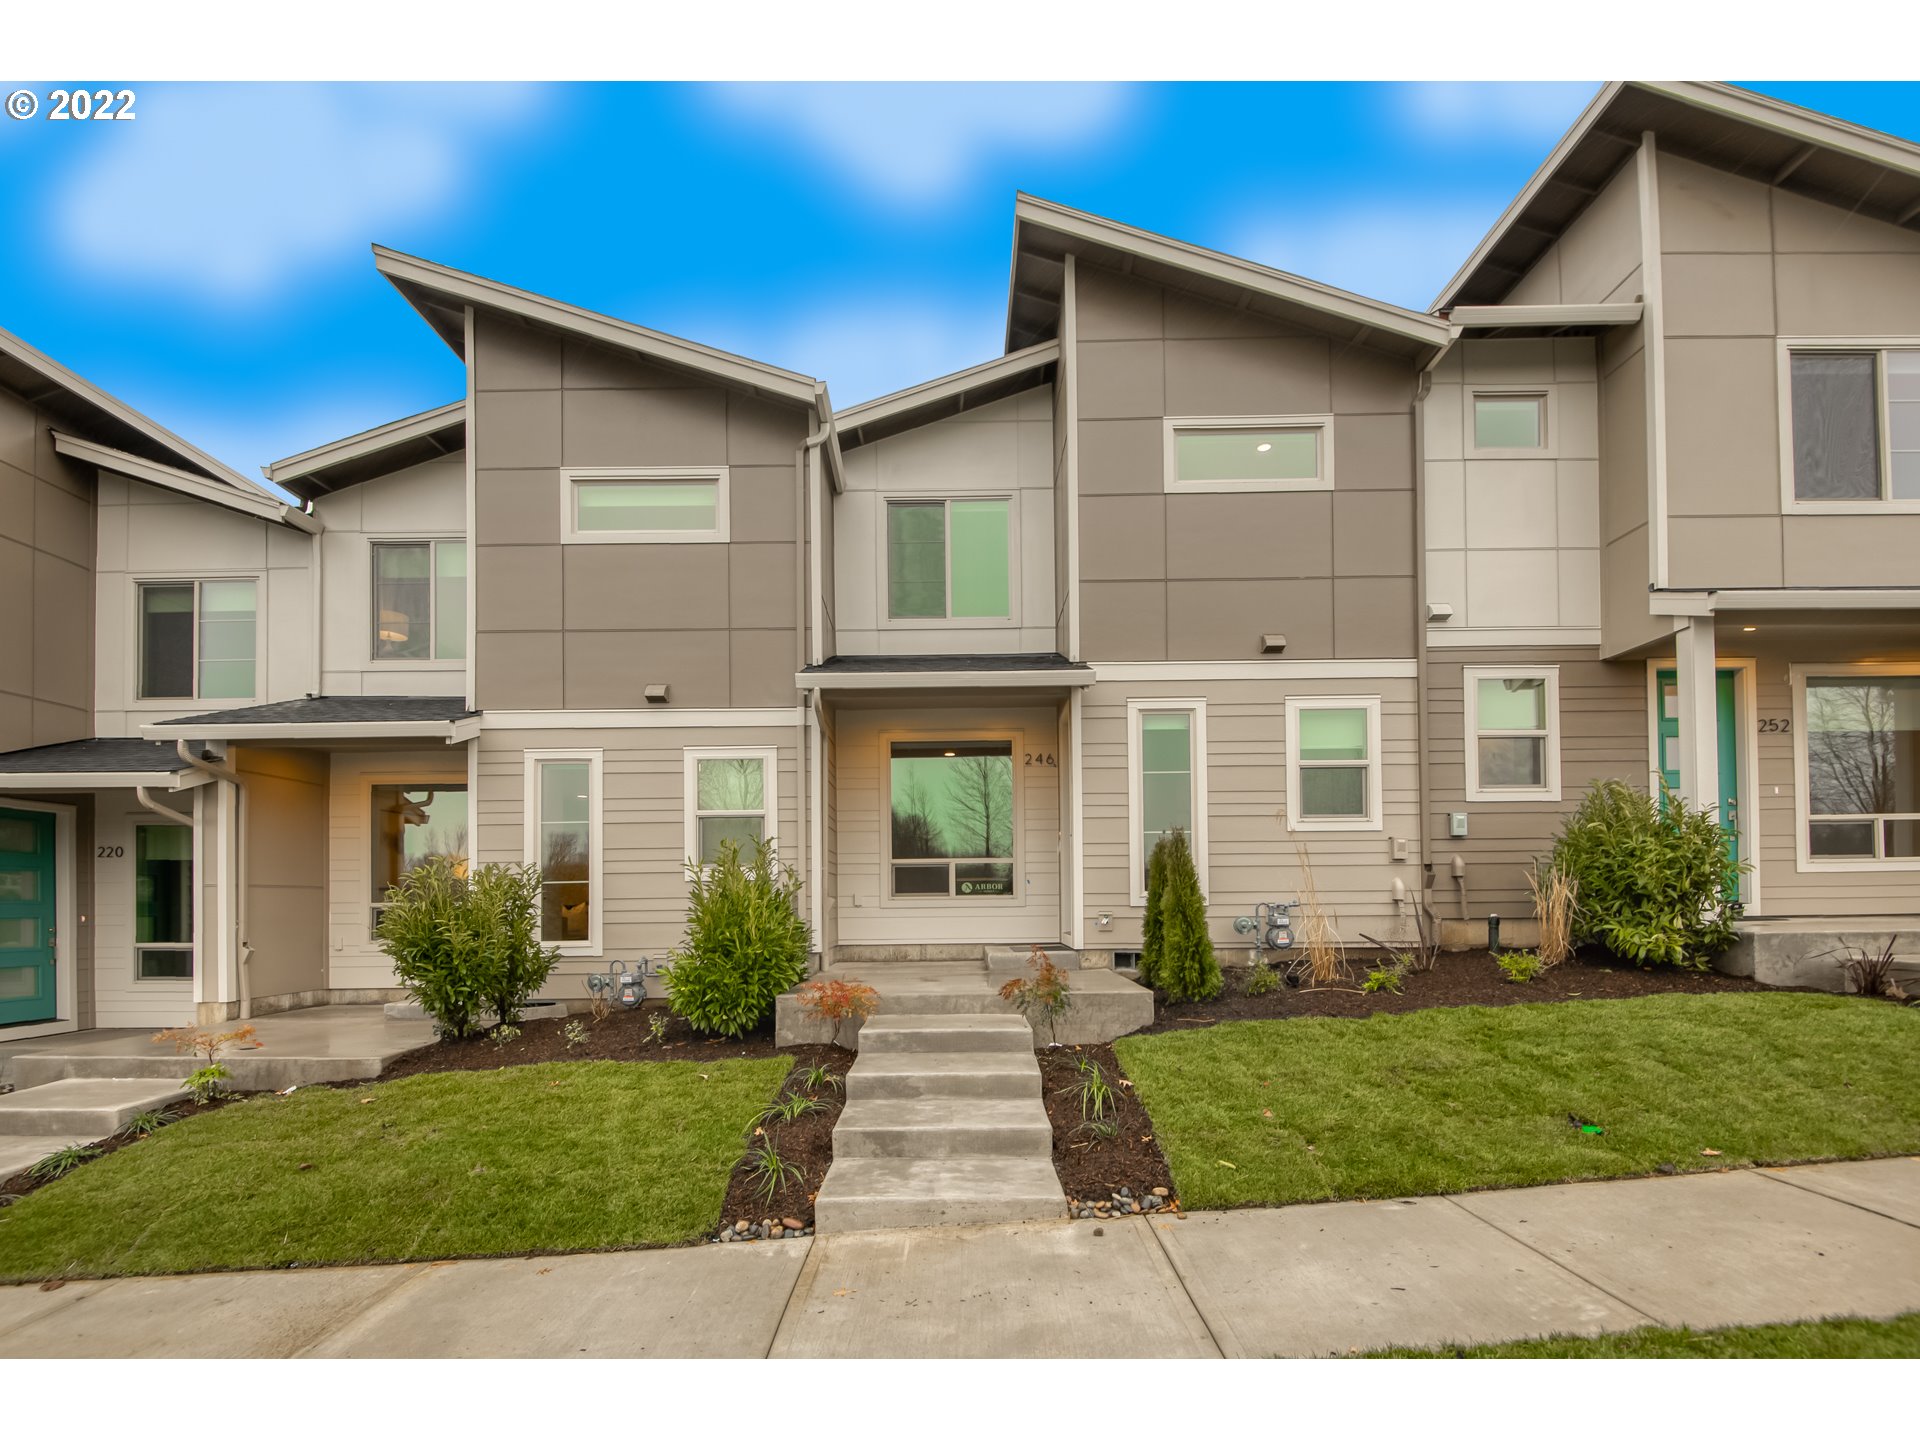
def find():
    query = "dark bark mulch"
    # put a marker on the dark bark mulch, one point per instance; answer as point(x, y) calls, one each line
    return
point(622, 1035)
point(806, 1141)
point(1463, 977)
point(1094, 1167)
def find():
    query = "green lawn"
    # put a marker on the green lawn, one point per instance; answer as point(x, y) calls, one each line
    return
point(1897, 1339)
point(571, 1156)
point(1272, 1112)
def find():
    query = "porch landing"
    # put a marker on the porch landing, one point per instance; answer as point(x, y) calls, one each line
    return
point(1105, 1005)
point(1804, 952)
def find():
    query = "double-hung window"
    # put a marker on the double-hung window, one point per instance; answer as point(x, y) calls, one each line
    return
point(1166, 782)
point(1851, 413)
point(563, 839)
point(197, 640)
point(951, 826)
point(1860, 735)
point(671, 505)
point(413, 824)
point(419, 599)
point(1228, 454)
point(163, 902)
point(1512, 732)
point(950, 559)
point(1333, 763)
point(730, 800)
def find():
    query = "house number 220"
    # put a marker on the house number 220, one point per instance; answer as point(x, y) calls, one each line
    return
point(1039, 757)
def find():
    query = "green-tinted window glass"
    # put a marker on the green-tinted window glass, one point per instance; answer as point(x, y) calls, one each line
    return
point(917, 560)
point(952, 800)
point(1333, 734)
point(980, 558)
point(565, 853)
point(1166, 777)
point(1509, 422)
point(1513, 704)
point(730, 803)
point(162, 884)
point(226, 639)
point(450, 600)
point(644, 505)
point(1251, 454)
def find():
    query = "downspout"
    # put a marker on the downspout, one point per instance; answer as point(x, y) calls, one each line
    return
point(224, 771)
point(147, 801)
point(802, 558)
point(1422, 388)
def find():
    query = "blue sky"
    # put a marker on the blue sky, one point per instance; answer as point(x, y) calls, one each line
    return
point(208, 261)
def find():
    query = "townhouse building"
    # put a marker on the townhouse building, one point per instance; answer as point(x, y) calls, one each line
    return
point(1316, 578)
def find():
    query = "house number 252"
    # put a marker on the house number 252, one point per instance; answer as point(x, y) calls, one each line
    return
point(1776, 727)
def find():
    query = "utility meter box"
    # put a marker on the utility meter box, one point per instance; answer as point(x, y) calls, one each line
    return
point(1457, 824)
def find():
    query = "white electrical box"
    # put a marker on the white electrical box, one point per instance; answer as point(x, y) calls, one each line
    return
point(1457, 824)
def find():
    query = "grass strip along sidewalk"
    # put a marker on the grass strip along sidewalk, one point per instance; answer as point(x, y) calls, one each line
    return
point(1896, 1339)
point(566, 1156)
point(1283, 1111)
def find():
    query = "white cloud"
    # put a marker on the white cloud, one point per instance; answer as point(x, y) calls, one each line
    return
point(917, 142)
point(1504, 111)
point(1402, 252)
point(229, 190)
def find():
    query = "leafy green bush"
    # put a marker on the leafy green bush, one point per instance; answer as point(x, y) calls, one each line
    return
point(1387, 978)
point(1262, 979)
point(463, 943)
point(205, 1083)
point(1153, 927)
point(1519, 966)
point(1187, 968)
point(1654, 881)
point(746, 942)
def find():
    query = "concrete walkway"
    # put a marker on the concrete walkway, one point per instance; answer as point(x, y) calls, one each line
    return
point(1736, 1247)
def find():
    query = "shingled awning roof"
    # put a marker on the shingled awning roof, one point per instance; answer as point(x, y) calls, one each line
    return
point(96, 764)
point(321, 717)
point(933, 672)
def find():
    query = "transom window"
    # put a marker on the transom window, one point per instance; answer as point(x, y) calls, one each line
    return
point(1863, 768)
point(647, 505)
point(197, 640)
point(1333, 763)
point(1166, 782)
point(411, 825)
point(1854, 414)
point(419, 599)
point(1225, 454)
point(949, 559)
point(1512, 733)
point(952, 818)
point(163, 902)
point(1509, 421)
point(730, 799)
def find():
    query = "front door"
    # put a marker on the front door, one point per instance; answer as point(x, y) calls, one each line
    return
point(1728, 798)
point(26, 917)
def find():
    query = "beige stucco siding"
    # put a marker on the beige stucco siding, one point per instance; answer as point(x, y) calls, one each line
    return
point(286, 838)
point(1205, 576)
point(46, 584)
point(591, 626)
point(120, 997)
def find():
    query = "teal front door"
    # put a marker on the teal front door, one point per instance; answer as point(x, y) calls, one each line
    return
point(26, 917)
point(1728, 798)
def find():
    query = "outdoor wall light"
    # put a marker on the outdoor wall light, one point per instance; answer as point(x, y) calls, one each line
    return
point(656, 694)
point(1272, 644)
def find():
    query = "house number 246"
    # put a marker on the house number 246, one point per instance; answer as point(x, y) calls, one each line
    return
point(1039, 757)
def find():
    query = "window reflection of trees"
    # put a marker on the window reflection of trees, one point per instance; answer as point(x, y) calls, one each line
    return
point(1855, 745)
point(952, 806)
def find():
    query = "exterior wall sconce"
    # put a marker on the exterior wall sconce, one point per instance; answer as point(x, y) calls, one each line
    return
point(656, 694)
point(1272, 644)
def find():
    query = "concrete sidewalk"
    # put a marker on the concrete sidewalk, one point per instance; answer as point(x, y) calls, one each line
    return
point(1736, 1247)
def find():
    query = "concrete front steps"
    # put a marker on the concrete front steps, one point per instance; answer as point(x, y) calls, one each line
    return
point(1105, 1006)
point(944, 1125)
point(93, 1107)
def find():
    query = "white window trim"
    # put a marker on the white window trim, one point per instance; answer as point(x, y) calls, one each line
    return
point(969, 905)
point(571, 534)
point(1136, 812)
point(181, 703)
point(769, 758)
point(161, 982)
point(1804, 862)
point(1549, 446)
point(1790, 503)
point(596, 838)
point(1470, 678)
point(1011, 621)
point(1375, 818)
point(1174, 424)
point(430, 662)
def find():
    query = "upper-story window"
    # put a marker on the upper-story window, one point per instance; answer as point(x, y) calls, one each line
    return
point(197, 640)
point(1854, 426)
point(1223, 454)
point(949, 559)
point(1510, 422)
point(673, 505)
point(420, 600)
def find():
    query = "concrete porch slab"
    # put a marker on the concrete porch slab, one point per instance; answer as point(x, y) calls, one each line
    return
point(84, 1107)
point(1733, 1248)
point(1106, 1005)
point(1886, 1187)
point(1803, 952)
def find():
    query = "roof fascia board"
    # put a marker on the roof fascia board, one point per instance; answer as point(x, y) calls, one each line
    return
point(173, 780)
point(258, 504)
point(947, 387)
point(1228, 269)
point(1712, 602)
point(449, 730)
point(1791, 120)
point(1469, 317)
point(477, 290)
point(944, 679)
point(367, 442)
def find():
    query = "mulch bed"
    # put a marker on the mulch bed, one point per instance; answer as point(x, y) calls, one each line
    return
point(621, 1035)
point(1095, 1170)
point(806, 1141)
point(1463, 977)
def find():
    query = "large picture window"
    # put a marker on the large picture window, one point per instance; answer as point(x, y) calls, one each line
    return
point(1852, 417)
point(952, 818)
point(563, 838)
point(949, 559)
point(419, 600)
point(197, 640)
point(411, 825)
point(1166, 782)
point(1862, 740)
point(163, 902)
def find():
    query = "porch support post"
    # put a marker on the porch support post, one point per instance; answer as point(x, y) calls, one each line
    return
point(1699, 738)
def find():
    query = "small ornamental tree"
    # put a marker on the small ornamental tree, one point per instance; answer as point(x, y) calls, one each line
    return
point(838, 1001)
point(1153, 927)
point(746, 943)
point(1187, 968)
point(1045, 994)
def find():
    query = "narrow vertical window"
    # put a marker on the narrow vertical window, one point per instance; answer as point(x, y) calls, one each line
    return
point(1166, 782)
point(166, 642)
point(563, 839)
point(163, 902)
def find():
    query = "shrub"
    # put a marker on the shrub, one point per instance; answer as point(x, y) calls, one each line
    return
point(1387, 978)
point(147, 1122)
point(746, 942)
point(205, 1083)
point(1188, 969)
point(576, 1034)
point(1090, 1084)
point(838, 1001)
point(1554, 894)
point(1519, 966)
point(1153, 929)
point(1045, 993)
point(70, 1157)
point(1655, 884)
point(465, 942)
point(1262, 980)
point(1870, 972)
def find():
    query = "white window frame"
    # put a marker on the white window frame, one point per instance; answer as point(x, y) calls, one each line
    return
point(1549, 446)
point(431, 661)
point(596, 837)
point(190, 944)
point(1804, 861)
point(1196, 709)
point(889, 621)
point(769, 758)
point(1175, 424)
point(720, 475)
point(136, 639)
point(1470, 678)
point(1375, 818)
point(1792, 504)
